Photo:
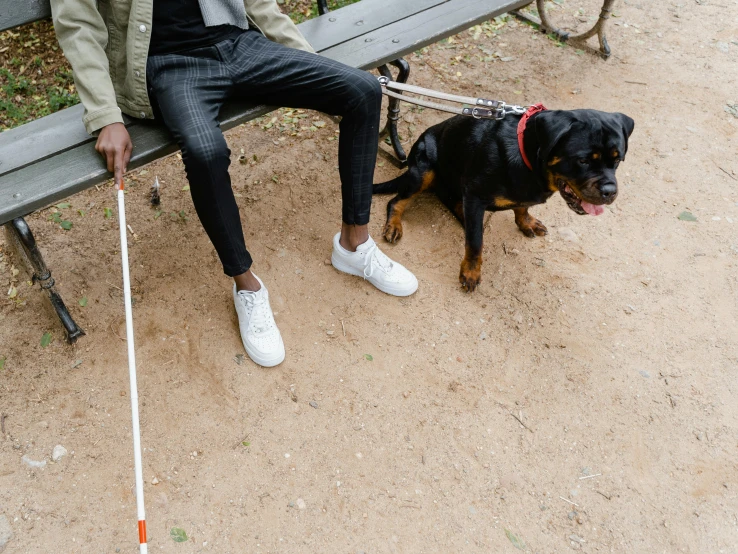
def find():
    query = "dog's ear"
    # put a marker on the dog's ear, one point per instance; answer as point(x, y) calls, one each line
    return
point(626, 125)
point(551, 127)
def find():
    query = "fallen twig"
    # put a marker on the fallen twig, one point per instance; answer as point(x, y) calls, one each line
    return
point(344, 328)
point(521, 422)
point(637, 83)
point(569, 501)
point(2, 422)
point(724, 171)
point(112, 285)
point(590, 476)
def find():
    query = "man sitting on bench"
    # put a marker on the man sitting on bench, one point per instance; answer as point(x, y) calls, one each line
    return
point(179, 60)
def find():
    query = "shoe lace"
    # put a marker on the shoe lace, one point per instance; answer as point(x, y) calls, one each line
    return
point(260, 318)
point(376, 258)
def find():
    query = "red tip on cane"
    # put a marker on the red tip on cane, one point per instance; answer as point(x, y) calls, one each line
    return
point(142, 531)
point(121, 186)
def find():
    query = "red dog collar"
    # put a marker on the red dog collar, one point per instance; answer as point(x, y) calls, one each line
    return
point(534, 109)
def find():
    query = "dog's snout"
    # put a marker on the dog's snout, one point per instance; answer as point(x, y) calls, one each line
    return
point(608, 191)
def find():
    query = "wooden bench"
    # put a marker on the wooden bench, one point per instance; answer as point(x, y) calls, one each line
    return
point(52, 158)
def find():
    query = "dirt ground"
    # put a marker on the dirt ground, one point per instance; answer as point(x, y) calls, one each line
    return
point(394, 425)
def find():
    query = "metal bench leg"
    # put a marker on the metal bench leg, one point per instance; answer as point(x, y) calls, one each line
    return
point(21, 233)
point(393, 112)
point(598, 29)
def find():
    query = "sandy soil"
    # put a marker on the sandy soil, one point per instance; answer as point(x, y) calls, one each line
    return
point(613, 340)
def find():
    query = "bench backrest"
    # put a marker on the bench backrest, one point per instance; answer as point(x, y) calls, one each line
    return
point(19, 12)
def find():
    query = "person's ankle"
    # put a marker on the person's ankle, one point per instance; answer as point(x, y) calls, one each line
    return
point(346, 244)
point(247, 282)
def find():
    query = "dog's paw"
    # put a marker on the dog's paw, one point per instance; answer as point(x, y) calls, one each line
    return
point(470, 278)
point(532, 227)
point(392, 232)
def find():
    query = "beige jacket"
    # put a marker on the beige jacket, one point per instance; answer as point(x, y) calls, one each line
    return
point(107, 43)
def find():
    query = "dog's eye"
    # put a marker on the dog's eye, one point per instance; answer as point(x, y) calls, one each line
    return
point(583, 161)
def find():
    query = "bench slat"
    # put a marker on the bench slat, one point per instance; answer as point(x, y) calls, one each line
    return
point(359, 19)
point(42, 138)
point(19, 12)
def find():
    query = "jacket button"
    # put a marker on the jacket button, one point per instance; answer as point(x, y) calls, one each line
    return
point(142, 28)
point(143, 115)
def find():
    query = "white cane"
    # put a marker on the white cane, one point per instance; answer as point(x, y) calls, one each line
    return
point(132, 371)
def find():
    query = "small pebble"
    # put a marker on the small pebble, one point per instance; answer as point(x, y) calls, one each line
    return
point(6, 532)
point(567, 234)
point(723, 47)
point(33, 463)
point(300, 504)
point(155, 481)
point(313, 404)
point(327, 262)
point(483, 335)
point(58, 453)
point(406, 393)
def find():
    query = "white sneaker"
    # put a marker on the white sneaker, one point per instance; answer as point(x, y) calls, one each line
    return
point(370, 263)
point(261, 337)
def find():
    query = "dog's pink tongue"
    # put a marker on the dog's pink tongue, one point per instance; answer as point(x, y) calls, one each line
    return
point(592, 209)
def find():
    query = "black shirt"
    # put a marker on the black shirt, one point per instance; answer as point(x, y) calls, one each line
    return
point(178, 25)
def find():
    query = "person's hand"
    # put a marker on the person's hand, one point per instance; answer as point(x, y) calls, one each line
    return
point(114, 144)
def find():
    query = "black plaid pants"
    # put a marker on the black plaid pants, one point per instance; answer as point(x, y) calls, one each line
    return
point(189, 88)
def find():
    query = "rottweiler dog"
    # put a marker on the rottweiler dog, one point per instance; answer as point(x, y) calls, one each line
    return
point(478, 165)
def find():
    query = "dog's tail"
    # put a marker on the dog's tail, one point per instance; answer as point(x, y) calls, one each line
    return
point(391, 186)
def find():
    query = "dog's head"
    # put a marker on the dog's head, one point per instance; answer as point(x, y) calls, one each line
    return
point(579, 150)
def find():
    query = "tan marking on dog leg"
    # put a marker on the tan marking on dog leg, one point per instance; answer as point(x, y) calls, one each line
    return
point(393, 228)
point(427, 181)
point(528, 224)
point(501, 202)
point(470, 274)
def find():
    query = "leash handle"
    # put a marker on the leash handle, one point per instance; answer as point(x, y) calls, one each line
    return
point(482, 107)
